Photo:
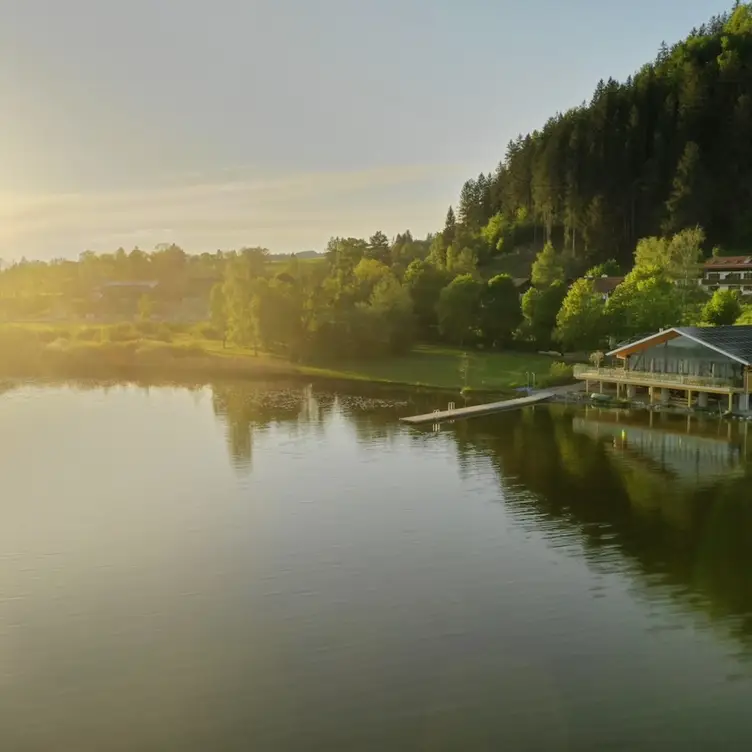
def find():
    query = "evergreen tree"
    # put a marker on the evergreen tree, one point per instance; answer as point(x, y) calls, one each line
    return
point(667, 149)
point(685, 206)
point(547, 268)
point(450, 226)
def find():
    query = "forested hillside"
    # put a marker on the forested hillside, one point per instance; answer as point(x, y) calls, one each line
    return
point(669, 148)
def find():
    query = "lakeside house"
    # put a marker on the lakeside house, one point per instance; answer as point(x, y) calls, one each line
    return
point(137, 287)
point(728, 273)
point(687, 363)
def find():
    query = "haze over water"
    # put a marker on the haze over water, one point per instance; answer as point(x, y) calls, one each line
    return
point(282, 568)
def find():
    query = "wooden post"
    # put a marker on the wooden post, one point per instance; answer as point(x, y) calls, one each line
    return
point(731, 401)
point(689, 398)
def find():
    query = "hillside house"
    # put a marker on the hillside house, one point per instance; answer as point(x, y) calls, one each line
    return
point(728, 273)
point(605, 285)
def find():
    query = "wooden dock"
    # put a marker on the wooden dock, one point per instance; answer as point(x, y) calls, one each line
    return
point(494, 407)
point(475, 410)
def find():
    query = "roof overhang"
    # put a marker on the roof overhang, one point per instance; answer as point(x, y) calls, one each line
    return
point(654, 339)
point(665, 336)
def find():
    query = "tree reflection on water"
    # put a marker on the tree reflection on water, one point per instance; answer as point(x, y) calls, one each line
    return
point(671, 501)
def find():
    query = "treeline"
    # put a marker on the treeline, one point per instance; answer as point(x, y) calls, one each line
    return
point(376, 297)
point(64, 287)
point(660, 291)
point(668, 149)
point(369, 298)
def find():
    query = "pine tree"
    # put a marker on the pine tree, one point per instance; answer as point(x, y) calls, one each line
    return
point(450, 227)
point(684, 206)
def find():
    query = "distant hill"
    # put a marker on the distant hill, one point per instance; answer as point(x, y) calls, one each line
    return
point(300, 255)
point(670, 147)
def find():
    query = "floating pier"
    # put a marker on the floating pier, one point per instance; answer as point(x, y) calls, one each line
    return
point(476, 410)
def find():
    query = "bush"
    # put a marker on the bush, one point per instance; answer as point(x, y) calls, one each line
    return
point(61, 343)
point(206, 331)
point(147, 327)
point(89, 334)
point(162, 333)
point(50, 335)
point(121, 333)
point(559, 373)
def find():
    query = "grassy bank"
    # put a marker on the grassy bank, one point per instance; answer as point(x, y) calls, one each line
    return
point(34, 350)
point(443, 368)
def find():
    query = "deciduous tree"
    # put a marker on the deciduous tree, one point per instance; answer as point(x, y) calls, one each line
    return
point(458, 308)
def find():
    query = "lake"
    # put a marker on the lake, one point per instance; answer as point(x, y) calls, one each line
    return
point(281, 567)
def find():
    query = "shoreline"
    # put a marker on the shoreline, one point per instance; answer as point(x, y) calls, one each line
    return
point(208, 368)
point(68, 352)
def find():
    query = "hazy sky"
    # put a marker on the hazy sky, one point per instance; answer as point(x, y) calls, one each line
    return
point(223, 123)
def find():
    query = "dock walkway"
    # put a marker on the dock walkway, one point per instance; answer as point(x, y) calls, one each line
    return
point(491, 407)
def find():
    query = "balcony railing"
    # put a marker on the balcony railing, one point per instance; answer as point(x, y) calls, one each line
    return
point(680, 379)
point(736, 279)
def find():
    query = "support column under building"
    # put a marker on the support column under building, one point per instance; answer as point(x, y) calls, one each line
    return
point(702, 399)
point(665, 395)
point(744, 403)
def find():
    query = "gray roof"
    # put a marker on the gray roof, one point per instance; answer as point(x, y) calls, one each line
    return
point(734, 341)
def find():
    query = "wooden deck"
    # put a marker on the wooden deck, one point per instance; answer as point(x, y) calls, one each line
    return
point(476, 410)
point(492, 407)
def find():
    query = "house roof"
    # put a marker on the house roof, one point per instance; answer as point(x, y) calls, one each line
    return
point(728, 262)
point(137, 283)
point(734, 342)
point(606, 285)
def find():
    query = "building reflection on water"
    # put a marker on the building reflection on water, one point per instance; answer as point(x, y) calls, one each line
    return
point(689, 450)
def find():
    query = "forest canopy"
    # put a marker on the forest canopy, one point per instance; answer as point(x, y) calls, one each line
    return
point(667, 149)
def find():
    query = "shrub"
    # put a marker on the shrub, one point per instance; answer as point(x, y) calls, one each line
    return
point(61, 343)
point(147, 327)
point(89, 334)
point(162, 333)
point(559, 373)
point(121, 333)
point(206, 331)
point(50, 335)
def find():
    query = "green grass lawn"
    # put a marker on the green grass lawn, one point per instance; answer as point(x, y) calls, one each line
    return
point(441, 367)
point(185, 350)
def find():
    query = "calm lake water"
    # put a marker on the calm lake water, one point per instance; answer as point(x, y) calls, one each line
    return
point(250, 567)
